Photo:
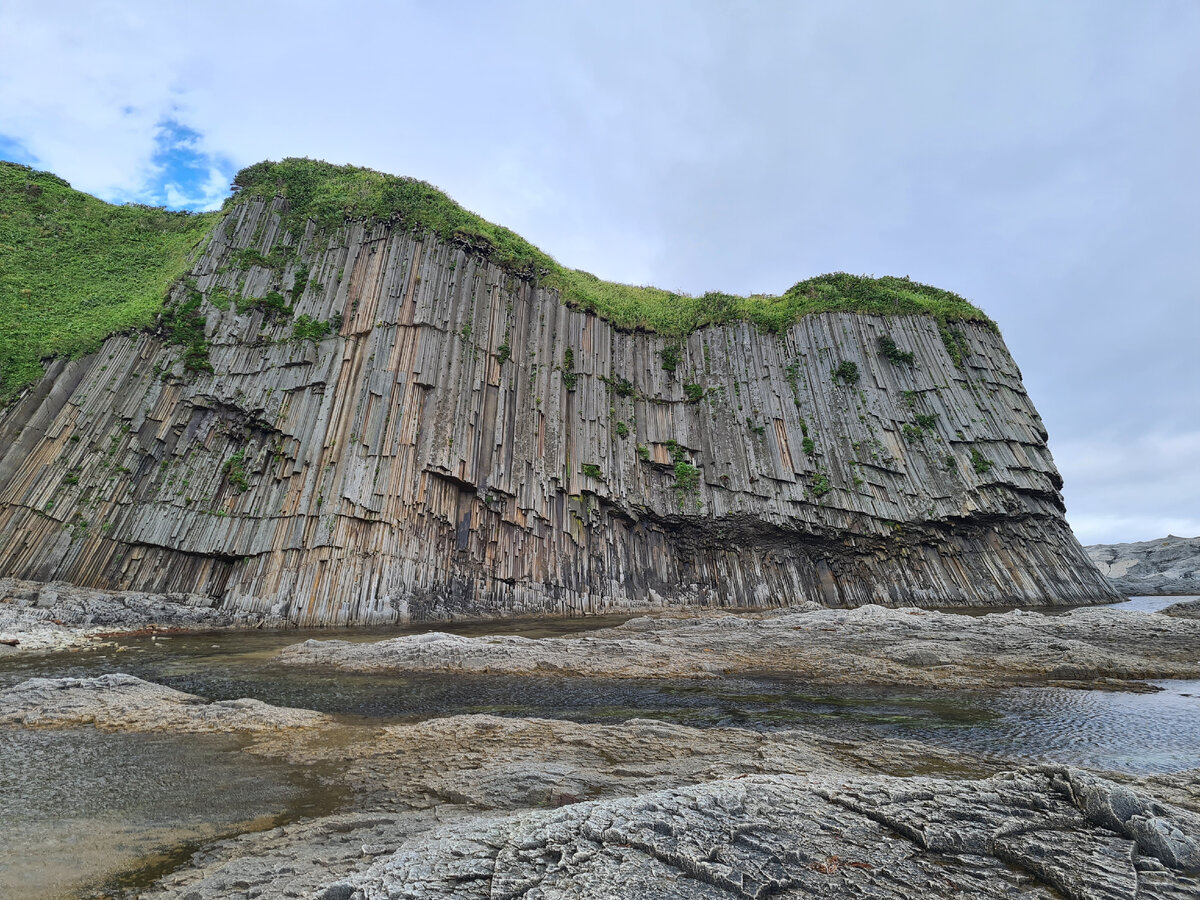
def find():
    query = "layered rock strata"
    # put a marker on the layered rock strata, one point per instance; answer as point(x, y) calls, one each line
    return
point(1027, 833)
point(1167, 566)
point(461, 444)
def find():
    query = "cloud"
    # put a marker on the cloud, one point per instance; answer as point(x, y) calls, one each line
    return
point(1036, 158)
point(1132, 487)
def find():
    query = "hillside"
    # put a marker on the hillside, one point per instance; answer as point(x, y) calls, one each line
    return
point(76, 269)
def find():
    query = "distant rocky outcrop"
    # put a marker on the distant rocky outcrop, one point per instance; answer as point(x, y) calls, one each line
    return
point(1170, 565)
point(367, 421)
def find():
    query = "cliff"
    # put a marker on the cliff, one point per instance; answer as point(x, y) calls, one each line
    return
point(344, 416)
point(1170, 565)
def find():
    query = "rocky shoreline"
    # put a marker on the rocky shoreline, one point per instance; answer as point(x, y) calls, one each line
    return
point(487, 805)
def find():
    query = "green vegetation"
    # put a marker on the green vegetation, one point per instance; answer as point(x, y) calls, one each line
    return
point(620, 386)
point(693, 392)
point(809, 446)
point(503, 353)
point(569, 376)
point(643, 452)
point(235, 471)
point(591, 470)
point(912, 433)
point(821, 485)
point(273, 304)
point(928, 421)
point(333, 194)
point(76, 269)
point(687, 476)
point(980, 462)
point(670, 357)
point(306, 328)
point(183, 324)
point(955, 343)
point(622, 430)
point(846, 372)
point(894, 354)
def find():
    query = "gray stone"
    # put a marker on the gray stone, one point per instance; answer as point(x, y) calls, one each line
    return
point(871, 644)
point(404, 468)
point(1170, 565)
point(123, 702)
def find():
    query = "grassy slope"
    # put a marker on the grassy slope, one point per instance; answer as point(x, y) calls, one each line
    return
point(331, 194)
point(74, 269)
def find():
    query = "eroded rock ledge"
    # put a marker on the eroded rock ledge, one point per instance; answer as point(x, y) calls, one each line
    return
point(871, 644)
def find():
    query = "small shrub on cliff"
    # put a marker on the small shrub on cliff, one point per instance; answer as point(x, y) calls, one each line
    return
point(846, 372)
point(979, 462)
point(893, 353)
point(670, 357)
point(622, 430)
point(693, 392)
point(569, 375)
point(591, 470)
point(235, 471)
point(306, 328)
point(820, 485)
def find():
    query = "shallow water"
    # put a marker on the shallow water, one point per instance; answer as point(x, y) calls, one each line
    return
point(77, 804)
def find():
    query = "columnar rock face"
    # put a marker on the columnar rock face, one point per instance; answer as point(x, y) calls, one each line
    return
point(460, 443)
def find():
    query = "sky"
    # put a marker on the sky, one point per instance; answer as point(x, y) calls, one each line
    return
point(1041, 159)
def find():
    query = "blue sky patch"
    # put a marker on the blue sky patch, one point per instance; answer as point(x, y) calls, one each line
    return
point(184, 175)
point(13, 150)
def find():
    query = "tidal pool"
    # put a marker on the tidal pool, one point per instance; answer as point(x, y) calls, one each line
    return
point(78, 805)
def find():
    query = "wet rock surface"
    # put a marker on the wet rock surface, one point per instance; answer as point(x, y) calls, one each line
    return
point(1186, 609)
point(124, 702)
point(870, 644)
point(1170, 565)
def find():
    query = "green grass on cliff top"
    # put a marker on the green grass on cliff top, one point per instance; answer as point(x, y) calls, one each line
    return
point(332, 194)
point(74, 269)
